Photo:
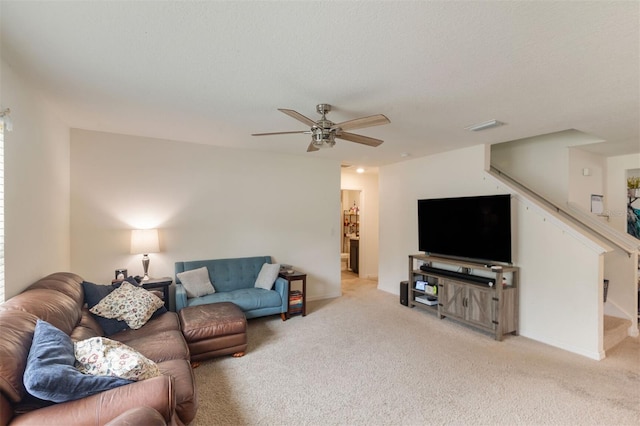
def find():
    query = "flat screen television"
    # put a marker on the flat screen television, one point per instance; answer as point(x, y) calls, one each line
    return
point(477, 228)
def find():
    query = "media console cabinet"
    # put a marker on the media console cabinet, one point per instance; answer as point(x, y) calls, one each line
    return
point(476, 294)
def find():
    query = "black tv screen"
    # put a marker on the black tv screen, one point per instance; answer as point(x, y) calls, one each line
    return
point(466, 227)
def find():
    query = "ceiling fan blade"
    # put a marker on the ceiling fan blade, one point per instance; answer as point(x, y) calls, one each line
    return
point(279, 133)
point(312, 148)
point(365, 140)
point(360, 123)
point(294, 114)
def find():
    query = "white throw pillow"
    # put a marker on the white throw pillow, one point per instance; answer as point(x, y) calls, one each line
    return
point(267, 276)
point(196, 282)
point(100, 356)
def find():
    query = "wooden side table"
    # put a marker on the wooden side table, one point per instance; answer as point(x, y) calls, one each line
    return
point(162, 283)
point(154, 283)
point(295, 276)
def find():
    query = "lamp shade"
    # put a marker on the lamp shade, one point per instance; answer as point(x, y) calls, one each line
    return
point(144, 241)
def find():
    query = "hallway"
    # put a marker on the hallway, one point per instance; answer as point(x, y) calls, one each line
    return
point(351, 282)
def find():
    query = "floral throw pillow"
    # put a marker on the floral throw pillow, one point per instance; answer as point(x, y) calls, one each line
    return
point(100, 356)
point(134, 305)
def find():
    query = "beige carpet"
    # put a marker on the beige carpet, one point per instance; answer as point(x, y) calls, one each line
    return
point(364, 359)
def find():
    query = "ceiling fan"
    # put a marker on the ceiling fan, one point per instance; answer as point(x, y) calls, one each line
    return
point(324, 132)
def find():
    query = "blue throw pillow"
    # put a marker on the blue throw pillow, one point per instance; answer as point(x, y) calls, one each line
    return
point(50, 373)
point(94, 293)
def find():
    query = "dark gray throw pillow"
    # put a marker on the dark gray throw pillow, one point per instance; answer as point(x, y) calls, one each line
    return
point(50, 374)
point(94, 293)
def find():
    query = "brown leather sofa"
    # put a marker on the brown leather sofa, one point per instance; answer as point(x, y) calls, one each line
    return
point(140, 416)
point(59, 300)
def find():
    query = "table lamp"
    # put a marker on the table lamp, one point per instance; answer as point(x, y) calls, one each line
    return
point(144, 241)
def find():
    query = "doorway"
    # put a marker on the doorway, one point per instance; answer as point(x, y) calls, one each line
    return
point(350, 211)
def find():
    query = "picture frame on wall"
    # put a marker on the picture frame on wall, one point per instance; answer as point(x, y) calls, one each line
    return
point(597, 204)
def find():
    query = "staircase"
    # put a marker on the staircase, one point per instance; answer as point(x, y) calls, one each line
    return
point(615, 331)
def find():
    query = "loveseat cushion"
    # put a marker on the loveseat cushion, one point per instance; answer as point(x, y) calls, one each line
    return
point(50, 373)
point(246, 299)
point(227, 274)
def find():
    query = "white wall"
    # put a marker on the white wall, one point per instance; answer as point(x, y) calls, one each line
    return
point(581, 187)
point(561, 300)
point(560, 275)
point(36, 186)
point(369, 220)
point(451, 174)
point(208, 202)
point(541, 162)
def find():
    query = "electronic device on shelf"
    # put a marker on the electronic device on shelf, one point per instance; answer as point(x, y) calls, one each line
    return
point(461, 275)
point(466, 227)
point(427, 300)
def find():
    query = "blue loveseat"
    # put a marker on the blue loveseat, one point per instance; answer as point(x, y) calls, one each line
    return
point(234, 281)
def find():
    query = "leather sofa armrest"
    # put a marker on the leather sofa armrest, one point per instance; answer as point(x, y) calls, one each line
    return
point(181, 297)
point(139, 416)
point(282, 287)
point(99, 409)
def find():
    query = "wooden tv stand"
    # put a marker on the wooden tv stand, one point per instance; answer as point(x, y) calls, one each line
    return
point(472, 293)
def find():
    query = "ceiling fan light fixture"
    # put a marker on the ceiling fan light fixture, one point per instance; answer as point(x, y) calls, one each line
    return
point(484, 125)
point(322, 137)
point(324, 132)
point(324, 143)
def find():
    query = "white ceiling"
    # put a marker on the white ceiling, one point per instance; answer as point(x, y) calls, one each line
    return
point(215, 72)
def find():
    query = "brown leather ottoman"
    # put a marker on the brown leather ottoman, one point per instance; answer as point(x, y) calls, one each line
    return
point(213, 330)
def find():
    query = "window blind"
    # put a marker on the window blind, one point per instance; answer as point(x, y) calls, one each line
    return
point(1, 211)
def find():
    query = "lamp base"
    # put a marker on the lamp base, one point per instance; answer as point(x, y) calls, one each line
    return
point(145, 267)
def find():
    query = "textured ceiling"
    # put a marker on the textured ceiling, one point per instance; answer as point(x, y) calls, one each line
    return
point(215, 72)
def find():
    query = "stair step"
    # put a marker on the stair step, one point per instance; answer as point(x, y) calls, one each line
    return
point(615, 331)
